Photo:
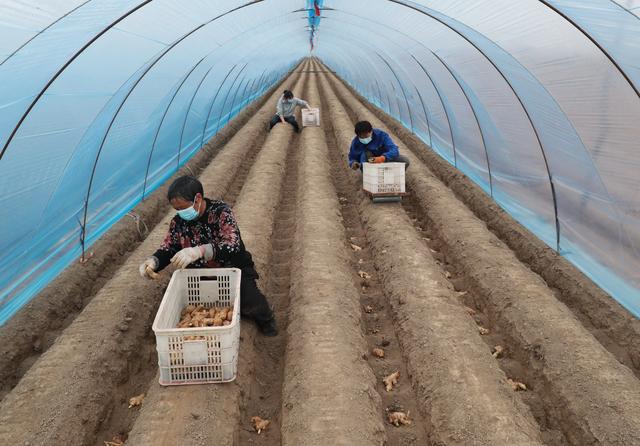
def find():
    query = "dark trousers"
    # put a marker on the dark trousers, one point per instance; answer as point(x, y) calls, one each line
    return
point(253, 304)
point(399, 159)
point(290, 119)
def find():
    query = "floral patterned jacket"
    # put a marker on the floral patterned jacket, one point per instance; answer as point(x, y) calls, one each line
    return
point(216, 226)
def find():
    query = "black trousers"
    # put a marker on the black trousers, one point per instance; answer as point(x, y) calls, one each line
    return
point(253, 304)
point(290, 119)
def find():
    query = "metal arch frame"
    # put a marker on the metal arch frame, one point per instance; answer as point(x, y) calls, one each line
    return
point(517, 96)
point(169, 105)
point(399, 102)
point(251, 90)
point(404, 93)
point(437, 90)
point(224, 101)
point(164, 115)
point(425, 109)
point(132, 88)
point(473, 110)
point(444, 107)
point(442, 100)
point(386, 106)
point(67, 14)
point(186, 115)
point(358, 72)
point(426, 115)
point(242, 95)
point(395, 95)
point(380, 95)
point(421, 99)
point(235, 95)
point(206, 121)
point(624, 9)
point(420, 96)
point(551, 98)
point(63, 68)
point(594, 41)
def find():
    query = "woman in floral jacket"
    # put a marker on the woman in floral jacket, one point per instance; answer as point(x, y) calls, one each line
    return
point(205, 234)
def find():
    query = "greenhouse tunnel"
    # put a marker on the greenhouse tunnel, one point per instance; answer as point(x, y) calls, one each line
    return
point(536, 101)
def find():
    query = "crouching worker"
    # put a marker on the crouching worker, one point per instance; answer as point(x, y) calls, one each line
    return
point(374, 146)
point(204, 234)
point(285, 110)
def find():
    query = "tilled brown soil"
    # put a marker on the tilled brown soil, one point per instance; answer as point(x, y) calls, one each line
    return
point(561, 355)
point(327, 381)
point(465, 405)
point(425, 281)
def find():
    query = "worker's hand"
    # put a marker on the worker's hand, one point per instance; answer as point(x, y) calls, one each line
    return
point(282, 120)
point(377, 159)
point(148, 268)
point(187, 256)
point(355, 165)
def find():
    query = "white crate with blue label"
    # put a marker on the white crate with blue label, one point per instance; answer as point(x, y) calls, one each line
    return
point(201, 354)
point(384, 180)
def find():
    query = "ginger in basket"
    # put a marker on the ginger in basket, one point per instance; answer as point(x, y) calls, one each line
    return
point(198, 316)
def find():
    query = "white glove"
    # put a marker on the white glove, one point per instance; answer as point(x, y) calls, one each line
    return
point(187, 256)
point(148, 268)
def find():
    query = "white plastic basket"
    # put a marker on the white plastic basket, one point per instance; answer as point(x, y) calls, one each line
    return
point(311, 117)
point(213, 356)
point(383, 178)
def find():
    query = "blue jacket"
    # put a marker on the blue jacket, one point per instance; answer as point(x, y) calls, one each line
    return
point(381, 144)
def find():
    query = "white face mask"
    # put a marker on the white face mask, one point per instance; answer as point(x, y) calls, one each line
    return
point(365, 140)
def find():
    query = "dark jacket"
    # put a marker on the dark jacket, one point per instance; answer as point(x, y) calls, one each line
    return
point(216, 226)
point(381, 144)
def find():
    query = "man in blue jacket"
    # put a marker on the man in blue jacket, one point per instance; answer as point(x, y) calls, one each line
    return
point(374, 146)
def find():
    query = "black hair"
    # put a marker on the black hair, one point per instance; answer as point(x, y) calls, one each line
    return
point(363, 127)
point(186, 187)
point(288, 94)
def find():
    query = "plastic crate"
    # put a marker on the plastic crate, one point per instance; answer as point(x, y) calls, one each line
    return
point(311, 117)
point(383, 178)
point(213, 356)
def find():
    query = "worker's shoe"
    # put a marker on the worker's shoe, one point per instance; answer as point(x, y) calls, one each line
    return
point(268, 328)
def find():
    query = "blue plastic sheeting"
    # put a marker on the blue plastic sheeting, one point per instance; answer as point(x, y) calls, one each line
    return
point(536, 101)
point(120, 118)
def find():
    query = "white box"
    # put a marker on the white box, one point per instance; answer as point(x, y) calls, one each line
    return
point(311, 117)
point(213, 357)
point(383, 178)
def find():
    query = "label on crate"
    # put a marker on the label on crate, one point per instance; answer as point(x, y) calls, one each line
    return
point(311, 118)
point(387, 188)
point(195, 352)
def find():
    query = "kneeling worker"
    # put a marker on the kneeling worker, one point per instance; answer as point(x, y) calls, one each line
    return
point(204, 234)
point(374, 146)
point(285, 110)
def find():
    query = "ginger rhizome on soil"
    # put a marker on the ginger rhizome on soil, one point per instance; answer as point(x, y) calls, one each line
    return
point(399, 418)
point(259, 424)
point(136, 400)
point(391, 381)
